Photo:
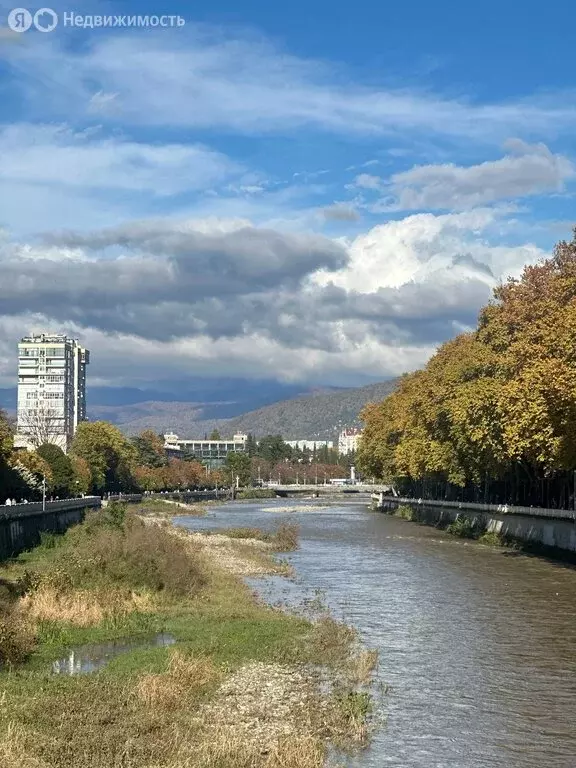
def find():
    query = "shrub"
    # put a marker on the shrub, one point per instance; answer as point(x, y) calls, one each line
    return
point(405, 512)
point(120, 550)
point(464, 528)
point(256, 493)
point(17, 637)
point(286, 537)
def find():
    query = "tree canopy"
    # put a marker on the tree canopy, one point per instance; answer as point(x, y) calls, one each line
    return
point(493, 410)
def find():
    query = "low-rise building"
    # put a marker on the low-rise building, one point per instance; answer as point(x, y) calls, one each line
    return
point(310, 445)
point(213, 452)
point(348, 440)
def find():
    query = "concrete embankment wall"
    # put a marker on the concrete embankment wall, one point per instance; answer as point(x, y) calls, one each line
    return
point(22, 524)
point(553, 528)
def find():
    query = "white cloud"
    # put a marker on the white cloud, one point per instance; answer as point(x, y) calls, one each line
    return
point(223, 298)
point(449, 247)
point(526, 170)
point(367, 181)
point(202, 79)
point(58, 156)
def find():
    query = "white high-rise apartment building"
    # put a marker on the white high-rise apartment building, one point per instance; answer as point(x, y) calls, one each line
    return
point(51, 390)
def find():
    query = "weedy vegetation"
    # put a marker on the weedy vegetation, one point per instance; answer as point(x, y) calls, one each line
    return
point(239, 689)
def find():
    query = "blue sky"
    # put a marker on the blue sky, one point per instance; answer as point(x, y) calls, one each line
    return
point(311, 191)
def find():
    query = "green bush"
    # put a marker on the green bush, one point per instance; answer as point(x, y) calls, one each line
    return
point(464, 528)
point(405, 512)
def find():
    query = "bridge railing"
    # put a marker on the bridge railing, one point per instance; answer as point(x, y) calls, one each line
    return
point(61, 505)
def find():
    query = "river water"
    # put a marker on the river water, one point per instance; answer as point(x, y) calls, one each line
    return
point(477, 645)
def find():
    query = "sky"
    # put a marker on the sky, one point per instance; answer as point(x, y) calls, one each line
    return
point(318, 193)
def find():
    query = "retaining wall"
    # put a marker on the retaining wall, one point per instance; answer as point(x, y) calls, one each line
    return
point(22, 524)
point(554, 528)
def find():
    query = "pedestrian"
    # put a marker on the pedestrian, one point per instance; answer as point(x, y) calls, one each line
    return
point(8, 502)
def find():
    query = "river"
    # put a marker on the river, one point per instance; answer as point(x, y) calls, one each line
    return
point(477, 645)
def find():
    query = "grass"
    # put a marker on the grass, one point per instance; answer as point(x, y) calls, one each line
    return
point(115, 577)
point(284, 539)
point(405, 512)
point(169, 509)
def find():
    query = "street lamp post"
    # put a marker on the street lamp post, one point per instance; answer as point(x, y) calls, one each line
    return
point(43, 493)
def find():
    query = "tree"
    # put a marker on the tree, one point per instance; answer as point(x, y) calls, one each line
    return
point(32, 469)
point(493, 414)
point(82, 474)
point(63, 481)
point(239, 464)
point(274, 449)
point(41, 425)
point(109, 455)
point(215, 435)
point(150, 450)
point(6, 436)
point(251, 446)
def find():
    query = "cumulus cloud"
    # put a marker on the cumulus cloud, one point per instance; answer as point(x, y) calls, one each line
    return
point(223, 297)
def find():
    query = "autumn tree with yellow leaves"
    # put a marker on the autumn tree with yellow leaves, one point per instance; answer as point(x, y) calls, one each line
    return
point(492, 417)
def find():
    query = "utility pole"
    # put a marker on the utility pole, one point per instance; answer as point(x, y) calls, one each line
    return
point(43, 493)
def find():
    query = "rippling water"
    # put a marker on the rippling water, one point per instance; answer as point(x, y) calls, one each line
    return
point(477, 645)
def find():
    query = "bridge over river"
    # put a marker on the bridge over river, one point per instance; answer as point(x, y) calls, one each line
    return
point(325, 490)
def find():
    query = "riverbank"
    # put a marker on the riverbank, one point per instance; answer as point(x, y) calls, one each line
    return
point(554, 539)
point(242, 685)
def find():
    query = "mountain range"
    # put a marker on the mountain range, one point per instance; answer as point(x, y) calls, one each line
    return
point(230, 405)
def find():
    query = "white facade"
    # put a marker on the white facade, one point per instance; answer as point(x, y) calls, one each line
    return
point(310, 445)
point(348, 440)
point(204, 449)
point(51, 390)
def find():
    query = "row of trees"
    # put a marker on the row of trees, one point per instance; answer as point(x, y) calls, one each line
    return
point(255, 470)
point(102, 459)
point(492, 417)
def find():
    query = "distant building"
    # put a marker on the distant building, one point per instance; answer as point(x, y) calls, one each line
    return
point(310, 445)
point(51, 390)
point(348, 440)
point(214, 452)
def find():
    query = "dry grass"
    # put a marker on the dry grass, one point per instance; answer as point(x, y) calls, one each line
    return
point(186, 675)
point(332, 642)
point(360, 667)
point(181, 708)
point(82, 608)
point(17, 636)
point(14, 747)
point(226, 751)
point(284, 539)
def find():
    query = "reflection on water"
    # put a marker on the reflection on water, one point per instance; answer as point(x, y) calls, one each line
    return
point(90, 658)
point(478, 648)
